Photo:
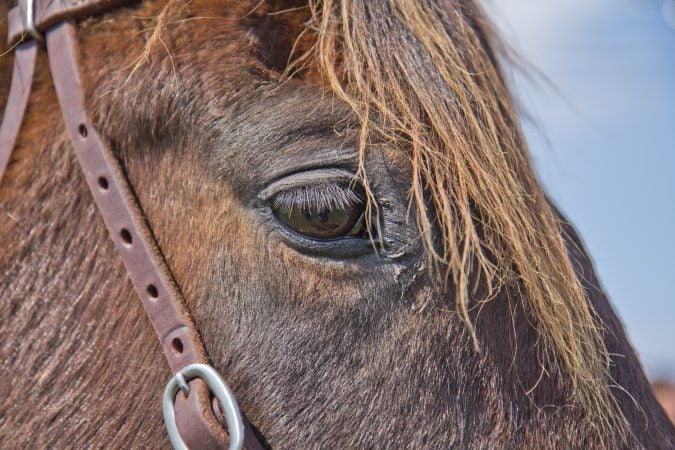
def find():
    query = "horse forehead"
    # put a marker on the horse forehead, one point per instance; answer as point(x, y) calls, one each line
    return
point(272, 28)
point(209, 83)
point(210, 54)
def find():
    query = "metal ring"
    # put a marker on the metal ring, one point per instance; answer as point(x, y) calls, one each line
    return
point(29, 20)
point(182, 383)
point(228, 404)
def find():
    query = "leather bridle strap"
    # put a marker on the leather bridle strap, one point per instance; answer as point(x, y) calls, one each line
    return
point(117, 203)
point(47, 13)
point(121, 214)
point(19, 93)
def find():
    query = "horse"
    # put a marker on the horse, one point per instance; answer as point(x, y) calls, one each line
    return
point(344, 196)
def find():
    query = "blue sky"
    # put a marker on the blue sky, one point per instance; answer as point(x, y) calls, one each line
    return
point(604, 144)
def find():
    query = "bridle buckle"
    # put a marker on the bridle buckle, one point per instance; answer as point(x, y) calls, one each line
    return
point(227, 402)
point(29, 20)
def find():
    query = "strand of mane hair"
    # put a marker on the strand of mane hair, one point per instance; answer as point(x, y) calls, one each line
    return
point(425, 75)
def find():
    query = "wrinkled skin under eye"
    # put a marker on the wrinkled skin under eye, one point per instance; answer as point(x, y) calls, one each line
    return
point(324, 211)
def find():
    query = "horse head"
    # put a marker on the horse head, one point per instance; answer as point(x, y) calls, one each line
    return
point(346, 201)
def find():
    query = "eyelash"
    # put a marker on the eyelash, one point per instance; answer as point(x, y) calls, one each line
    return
point(318, 197)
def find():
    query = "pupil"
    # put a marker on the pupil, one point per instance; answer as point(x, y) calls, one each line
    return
point(323, 216)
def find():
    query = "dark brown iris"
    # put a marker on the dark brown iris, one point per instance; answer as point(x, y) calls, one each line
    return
point(332, 223)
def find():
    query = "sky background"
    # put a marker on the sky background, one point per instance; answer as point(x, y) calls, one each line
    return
point(603, 139)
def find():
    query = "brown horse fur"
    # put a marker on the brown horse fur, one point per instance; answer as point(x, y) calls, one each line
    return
point(323, 348)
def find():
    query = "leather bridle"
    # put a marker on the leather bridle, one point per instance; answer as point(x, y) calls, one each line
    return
point(190, 419)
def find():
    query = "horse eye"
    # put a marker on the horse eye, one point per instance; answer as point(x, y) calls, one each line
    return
point(330, 223)
point(320, 215)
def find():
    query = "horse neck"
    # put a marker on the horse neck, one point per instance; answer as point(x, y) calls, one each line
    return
point(78, 352)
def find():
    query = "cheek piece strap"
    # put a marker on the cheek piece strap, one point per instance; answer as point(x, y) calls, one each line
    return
point(189, 417)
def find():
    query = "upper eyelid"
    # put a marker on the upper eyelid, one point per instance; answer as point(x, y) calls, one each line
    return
point(307, 179)
point(320, 197)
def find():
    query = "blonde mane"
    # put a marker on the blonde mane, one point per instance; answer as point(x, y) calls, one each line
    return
point(426, 78)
